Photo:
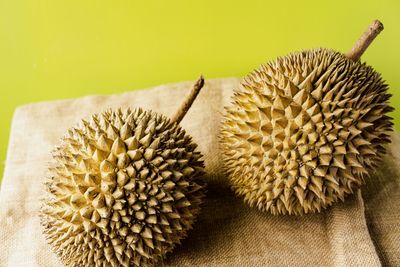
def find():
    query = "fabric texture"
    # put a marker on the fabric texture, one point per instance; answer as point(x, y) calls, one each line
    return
point(227, 233)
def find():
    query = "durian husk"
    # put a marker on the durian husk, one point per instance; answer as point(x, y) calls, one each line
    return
point(304, 131)
point(125, 187)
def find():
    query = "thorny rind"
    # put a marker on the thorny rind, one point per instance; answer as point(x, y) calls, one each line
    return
point(125, 189)
point(304, 131)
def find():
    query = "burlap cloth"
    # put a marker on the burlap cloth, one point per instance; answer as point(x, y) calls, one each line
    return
point(363, 231)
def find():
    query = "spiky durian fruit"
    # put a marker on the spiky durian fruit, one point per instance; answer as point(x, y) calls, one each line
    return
point(125, 189)
point(304, 131)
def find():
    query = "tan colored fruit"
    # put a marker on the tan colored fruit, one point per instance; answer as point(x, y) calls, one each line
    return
point(125, 188)
point(304, 131)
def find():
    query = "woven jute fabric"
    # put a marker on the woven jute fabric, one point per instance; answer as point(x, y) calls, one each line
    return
point(362, 231)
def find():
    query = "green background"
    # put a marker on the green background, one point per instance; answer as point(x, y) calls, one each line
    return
point(64, 49)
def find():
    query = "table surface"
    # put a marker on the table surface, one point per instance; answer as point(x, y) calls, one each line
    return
point(227, 232)
point(52, 50)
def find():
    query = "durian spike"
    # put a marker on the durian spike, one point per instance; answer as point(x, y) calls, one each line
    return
point(185, 106)
point(365, 40)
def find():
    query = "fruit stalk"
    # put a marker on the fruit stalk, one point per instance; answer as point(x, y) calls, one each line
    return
point(365, 40)
point(187, 103)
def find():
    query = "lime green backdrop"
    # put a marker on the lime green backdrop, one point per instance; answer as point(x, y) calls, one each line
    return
point(63, 49)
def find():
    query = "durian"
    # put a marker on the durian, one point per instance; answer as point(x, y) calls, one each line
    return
point(306, 129)
point(125, 187)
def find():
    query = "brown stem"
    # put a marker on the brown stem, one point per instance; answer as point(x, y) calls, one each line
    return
point(187, 103)
point(365, 40)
